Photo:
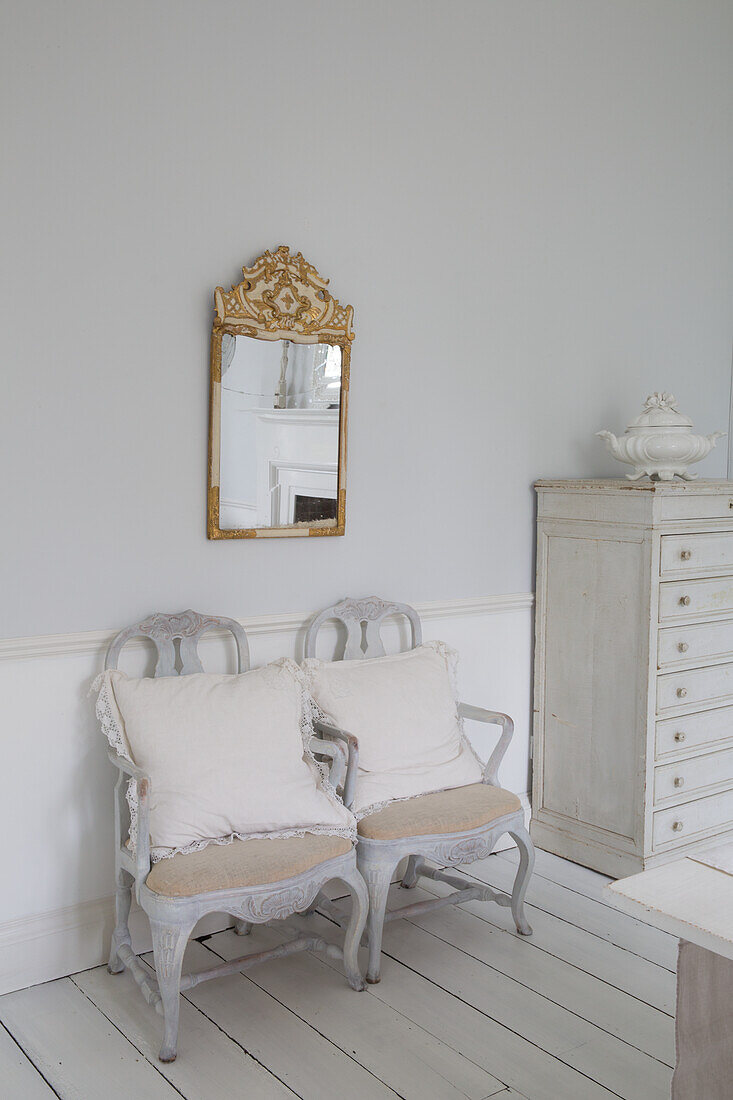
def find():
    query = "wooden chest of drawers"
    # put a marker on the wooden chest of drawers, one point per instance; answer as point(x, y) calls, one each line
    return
point(633, 723)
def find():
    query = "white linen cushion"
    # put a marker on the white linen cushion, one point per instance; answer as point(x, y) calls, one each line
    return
point(404, 712)
point(226, 755)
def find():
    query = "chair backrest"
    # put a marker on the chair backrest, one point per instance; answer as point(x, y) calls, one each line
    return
point(186, 627)
point(363, 619)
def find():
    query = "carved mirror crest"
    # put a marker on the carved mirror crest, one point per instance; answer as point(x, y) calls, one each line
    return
point(280, 354)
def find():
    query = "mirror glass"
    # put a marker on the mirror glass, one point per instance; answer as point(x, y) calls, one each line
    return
point(279, 433)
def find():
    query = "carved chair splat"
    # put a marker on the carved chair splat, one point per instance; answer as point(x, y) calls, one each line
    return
point(172, 919)
point(378, 858)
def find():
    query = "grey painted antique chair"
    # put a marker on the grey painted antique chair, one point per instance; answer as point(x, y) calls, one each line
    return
point(267, 879)
point(448, 827)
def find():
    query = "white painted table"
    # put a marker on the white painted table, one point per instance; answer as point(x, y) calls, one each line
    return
point(695, 902)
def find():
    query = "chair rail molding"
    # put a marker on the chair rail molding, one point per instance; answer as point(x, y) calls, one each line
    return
point(97, 641)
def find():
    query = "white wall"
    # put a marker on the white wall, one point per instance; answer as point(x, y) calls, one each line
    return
point(527, 203)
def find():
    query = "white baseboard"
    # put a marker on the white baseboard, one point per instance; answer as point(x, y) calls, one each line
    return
point(51, 945)
point(64, 941)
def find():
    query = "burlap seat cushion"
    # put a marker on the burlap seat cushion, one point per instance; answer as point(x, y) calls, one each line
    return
point(242, 863)
point(454, 811)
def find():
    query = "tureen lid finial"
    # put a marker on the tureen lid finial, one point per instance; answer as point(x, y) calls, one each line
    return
point(661, 401)
point(660, 410)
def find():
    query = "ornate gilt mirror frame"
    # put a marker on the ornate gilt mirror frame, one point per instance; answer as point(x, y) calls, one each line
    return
point(281, 297)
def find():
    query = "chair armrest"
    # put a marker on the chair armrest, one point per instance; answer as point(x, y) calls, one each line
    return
point(330, 733)
point(126, 766)
point(142, 846)
point(336, 750)
point(494, 717)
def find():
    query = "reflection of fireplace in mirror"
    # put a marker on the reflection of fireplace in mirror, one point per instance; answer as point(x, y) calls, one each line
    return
point(297, 467)
point(308, 482)
point(309, 509)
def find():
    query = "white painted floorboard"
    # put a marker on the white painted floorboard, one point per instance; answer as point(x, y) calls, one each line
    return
point(79, 1052)
point(566, 936)
point(580, 879)
point(18, 1075)
point(601, 919)
point(221, 1067)
point(300, 1056)
point(466, 1009)
point(610, 1009)
point(414, 1063)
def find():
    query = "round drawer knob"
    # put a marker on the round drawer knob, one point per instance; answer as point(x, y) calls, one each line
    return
point(680, 737)
point(679, 781)
point(683, 647)
point(686, 555)
point(677, 826)
point(685, 601)
point(681, 693)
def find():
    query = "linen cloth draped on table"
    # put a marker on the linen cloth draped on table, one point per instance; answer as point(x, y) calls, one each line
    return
point(704, 1026)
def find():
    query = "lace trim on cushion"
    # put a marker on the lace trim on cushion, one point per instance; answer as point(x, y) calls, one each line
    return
point(450, 656)
point(131, 799)
point(347, 832)
point(375, 807)
point(309, 713)
point(315, 714)
point(107, 713)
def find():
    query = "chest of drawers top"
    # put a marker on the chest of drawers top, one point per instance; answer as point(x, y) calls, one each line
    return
point(649, 503)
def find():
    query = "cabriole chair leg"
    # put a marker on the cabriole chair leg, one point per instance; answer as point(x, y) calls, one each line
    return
point(409, 879)
point(526, 863)
point(169, 945)
point(378, 878)
point(121, 934)
point(355, 929)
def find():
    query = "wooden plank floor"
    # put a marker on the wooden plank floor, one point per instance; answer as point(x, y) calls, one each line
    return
point(466, 1009)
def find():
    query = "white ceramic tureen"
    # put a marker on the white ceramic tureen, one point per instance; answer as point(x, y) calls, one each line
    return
point(660, 443)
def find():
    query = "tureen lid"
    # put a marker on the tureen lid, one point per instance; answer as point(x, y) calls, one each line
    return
point(660, 410)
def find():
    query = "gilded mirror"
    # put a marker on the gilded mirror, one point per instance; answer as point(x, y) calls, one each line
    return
point(280, 354)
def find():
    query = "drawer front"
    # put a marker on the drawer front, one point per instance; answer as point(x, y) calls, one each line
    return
point(684, 506)
point(694, 731)
point(680, 824)
point(692, 553)
point(685, 777)
point(700, 642)
point(682, 599)
point(694, 685)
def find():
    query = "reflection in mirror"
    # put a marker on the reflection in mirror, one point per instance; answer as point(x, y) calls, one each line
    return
point(280, 404)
